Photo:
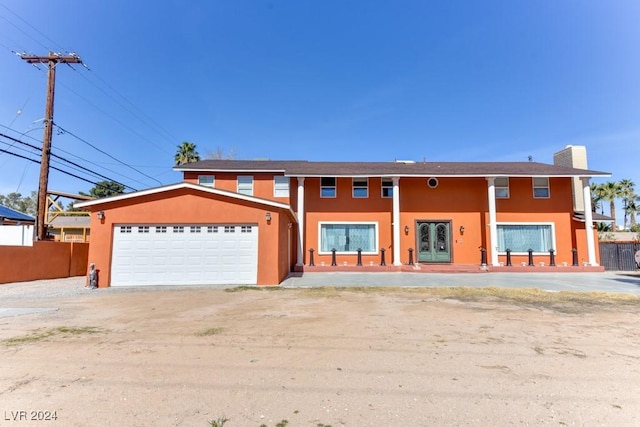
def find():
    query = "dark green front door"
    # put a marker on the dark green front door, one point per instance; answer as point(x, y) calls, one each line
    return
point(434, 241)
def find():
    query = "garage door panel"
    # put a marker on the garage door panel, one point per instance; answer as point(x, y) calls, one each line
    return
point(162, 255)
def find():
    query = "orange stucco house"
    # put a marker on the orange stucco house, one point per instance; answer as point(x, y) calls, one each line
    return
point(254, 222)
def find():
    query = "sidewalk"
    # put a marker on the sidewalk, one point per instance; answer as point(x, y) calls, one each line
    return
point(621, 282)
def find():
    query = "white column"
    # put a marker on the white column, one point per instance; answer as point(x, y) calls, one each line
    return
point(493, 227)
point(396, 221)
point(588, 222)
point(300, 261)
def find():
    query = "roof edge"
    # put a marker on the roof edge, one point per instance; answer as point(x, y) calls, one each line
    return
point(179, 186)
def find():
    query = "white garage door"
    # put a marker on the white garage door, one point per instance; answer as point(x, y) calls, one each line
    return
point(184, 255)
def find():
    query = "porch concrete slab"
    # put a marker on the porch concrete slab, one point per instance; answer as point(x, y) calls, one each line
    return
point(620, 282)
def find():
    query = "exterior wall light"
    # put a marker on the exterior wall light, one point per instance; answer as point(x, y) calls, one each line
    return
point(267, 216)
point(101, 215)
point(462, 229)
point(406, 229)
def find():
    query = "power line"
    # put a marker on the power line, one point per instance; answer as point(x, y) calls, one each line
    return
point(55, 168)
point(105, 153)
point(67, 161)
point(75, 156)
point(32, 27)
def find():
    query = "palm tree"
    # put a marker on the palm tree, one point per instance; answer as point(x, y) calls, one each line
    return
point(611, 192)
point(186, 154)
point(628, 198)
point(597, 195)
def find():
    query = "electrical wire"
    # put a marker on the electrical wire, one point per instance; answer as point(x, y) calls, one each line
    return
point(77, 166)
point(32, 27)
point(97, 184)
point(104, 152)
point(74, 156)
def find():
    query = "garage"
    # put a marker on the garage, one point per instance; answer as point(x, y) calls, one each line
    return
point(184, 254)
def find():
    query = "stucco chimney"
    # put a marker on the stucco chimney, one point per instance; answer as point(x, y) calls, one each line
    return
point(573, 156)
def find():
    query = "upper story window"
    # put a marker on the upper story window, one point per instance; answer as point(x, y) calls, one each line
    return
point(245, 185)
point(206, 180)
point(387, 187)
point(328, 187)
point(360, 188)
point(501, 185)
point(281, 186)
point(541, 188)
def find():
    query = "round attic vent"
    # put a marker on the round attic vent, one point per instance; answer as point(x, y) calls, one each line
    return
point(432, 182)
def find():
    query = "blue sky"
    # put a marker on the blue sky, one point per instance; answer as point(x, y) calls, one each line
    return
point(321, 80)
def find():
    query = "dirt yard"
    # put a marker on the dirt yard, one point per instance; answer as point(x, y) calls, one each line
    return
point(192, 357)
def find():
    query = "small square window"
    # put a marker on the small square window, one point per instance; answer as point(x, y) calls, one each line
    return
point(387, 187)
point(178, 229)
point(541, 188)
point(246, 229)
point(281, 186)
point(161, 229)
point(143, 229)
point(360, 188)
point(212, 229)
point(229, 229)
point(206, 180)
point(327, 187)
point(125, 229)
point(195, 229)
point(245, 185)
point(501, 186)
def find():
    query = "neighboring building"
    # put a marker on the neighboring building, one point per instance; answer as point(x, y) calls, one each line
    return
point(16, 228)
point(71, 228)
point(252, 222)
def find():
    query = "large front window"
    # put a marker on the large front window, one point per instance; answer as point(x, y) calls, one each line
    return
point(349, 237)
point(522, 237)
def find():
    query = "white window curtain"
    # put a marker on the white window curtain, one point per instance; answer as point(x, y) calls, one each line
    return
point(348, 237)
point(521, 238)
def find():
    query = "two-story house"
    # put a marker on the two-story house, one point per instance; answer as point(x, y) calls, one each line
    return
point(255, 221)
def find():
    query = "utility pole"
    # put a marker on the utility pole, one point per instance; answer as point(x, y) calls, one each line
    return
point(52, 60)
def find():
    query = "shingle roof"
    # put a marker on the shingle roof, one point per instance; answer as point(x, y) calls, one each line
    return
point(78, 221)
point(422, 169)
point(14, 215)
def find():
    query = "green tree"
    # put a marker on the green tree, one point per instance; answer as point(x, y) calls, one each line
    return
point(597, 195)
point(186, 154)
point(20, 203)
point(611, 192)
point(105, 189)
point(628, 195)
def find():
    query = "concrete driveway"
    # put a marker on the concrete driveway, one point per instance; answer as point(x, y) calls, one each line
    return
point(618, 282)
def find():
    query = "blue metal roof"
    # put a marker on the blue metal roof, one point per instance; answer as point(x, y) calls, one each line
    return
point(14, 215)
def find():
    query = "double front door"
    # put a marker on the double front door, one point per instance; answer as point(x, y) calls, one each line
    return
point(434, 241)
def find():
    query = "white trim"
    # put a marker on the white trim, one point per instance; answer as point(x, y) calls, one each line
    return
point(301, 224)
point(376, 232)
point(353, 188)
point(493, 230)
point(229, 170)
point(180, 186)
point(396, 220)
point(553, 236)
point(432, 175)
point(588, 226)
